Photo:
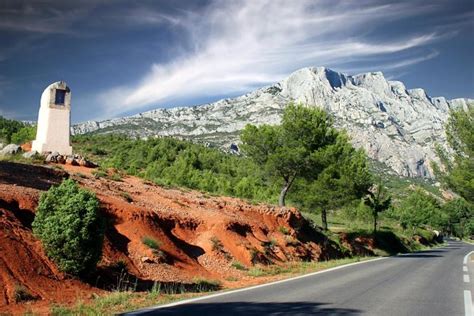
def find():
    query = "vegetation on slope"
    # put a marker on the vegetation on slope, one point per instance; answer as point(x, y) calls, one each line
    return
point(70, 228)
point(12, 131)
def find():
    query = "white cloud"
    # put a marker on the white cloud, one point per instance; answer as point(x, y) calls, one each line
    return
point(245, 44)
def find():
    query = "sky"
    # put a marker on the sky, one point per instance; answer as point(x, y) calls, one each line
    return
point(124, 57)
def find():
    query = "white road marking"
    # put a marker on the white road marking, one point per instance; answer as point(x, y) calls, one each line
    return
point(141, 311)
point(467, 256)
point(466, 278)
point(468, 303)
point(464, 269)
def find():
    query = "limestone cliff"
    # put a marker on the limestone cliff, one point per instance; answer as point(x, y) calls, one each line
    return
point(396, 126)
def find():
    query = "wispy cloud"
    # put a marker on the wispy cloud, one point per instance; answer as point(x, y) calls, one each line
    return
point(41, 18)
point(241, 45)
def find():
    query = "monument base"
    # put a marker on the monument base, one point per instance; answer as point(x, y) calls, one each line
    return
point(43, 148)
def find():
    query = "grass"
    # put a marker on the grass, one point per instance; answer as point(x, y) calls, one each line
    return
point(126, 196)
point(238, 266)
point(216, 244)
point(205, 285)
point(284, 230)
point(151, 243)
point(119, 302)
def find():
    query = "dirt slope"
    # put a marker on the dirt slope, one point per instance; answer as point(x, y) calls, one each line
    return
point(199, 236)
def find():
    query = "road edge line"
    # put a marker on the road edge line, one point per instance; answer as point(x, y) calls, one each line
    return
point(196, 299)
point(467, 256)
point(468, 303)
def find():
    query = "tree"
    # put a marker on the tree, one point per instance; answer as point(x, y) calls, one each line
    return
point(288, 151)
point(420, 209)
point(69, 225)
point(345, 178)
point(378, 201)
point(459, 174)
point(8, 128)
point(460, 215)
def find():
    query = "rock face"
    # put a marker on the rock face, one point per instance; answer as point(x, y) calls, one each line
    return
point(396, 126)
point(10, 150)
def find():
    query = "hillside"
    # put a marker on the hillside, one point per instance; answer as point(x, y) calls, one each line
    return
point(198, 237)
point(397, 126)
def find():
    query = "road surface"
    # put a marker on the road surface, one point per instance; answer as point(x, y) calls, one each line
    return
point(432, 282)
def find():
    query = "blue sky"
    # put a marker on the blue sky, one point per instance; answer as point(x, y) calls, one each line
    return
point(125, 57)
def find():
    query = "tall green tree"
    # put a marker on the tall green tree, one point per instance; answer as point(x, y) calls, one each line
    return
point(420, 209)
point(345, 178)
point(378, 200)
point(459, 175)
point(460, 217)
point(288, 151)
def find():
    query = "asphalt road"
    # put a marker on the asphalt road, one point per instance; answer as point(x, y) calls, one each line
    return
point(433, 282)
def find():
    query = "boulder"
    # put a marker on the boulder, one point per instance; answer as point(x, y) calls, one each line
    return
point(30, 154)
point(10, 150)
point(61, 159)
point(50, 158)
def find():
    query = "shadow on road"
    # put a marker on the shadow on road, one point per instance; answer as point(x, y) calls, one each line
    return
point(417, 255)
point(254, 309)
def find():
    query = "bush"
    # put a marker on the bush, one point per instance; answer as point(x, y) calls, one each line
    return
point(25, 134)
point(151, 243)
point(70, 227)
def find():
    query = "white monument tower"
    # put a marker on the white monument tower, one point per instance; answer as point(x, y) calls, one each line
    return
point(54, 120)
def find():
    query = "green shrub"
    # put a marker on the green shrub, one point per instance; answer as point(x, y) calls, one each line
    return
point(238, 265)
point(284, 230)
point(24, 135)
point(151, 243)
point(70, 227)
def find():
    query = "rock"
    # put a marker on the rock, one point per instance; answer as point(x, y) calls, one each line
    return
point(1, 145)
point(50, 158)
point(30, 154)
point(396, 126)
point(61, 159)
point(147, 260)
point(69, 160)
point(10, 150)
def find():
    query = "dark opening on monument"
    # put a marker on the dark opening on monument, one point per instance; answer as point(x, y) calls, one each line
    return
point(60, 96)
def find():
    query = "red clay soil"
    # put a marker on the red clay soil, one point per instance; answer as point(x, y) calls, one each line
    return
point(199, 236)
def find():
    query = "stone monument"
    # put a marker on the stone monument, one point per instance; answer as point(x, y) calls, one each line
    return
point(54, 120)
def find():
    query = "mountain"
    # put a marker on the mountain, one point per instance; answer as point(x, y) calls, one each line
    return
point(398, 127)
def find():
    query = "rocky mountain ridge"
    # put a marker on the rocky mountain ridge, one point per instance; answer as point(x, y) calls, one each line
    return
point(398, 127)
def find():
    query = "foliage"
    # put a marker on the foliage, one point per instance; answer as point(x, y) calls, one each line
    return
point(459, 174)
point(460, 221)
point(70, 227)
point(151, 243)
point(172, 162)
point(418, 210)
point(378, 201)
point(345, 178)
point(238, 265)
point(24, 135)
point(296, 148)
point(8, 128)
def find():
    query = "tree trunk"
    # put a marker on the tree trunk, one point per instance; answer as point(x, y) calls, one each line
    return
point(284, 191)
point(324, 219)
point(375, 223)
